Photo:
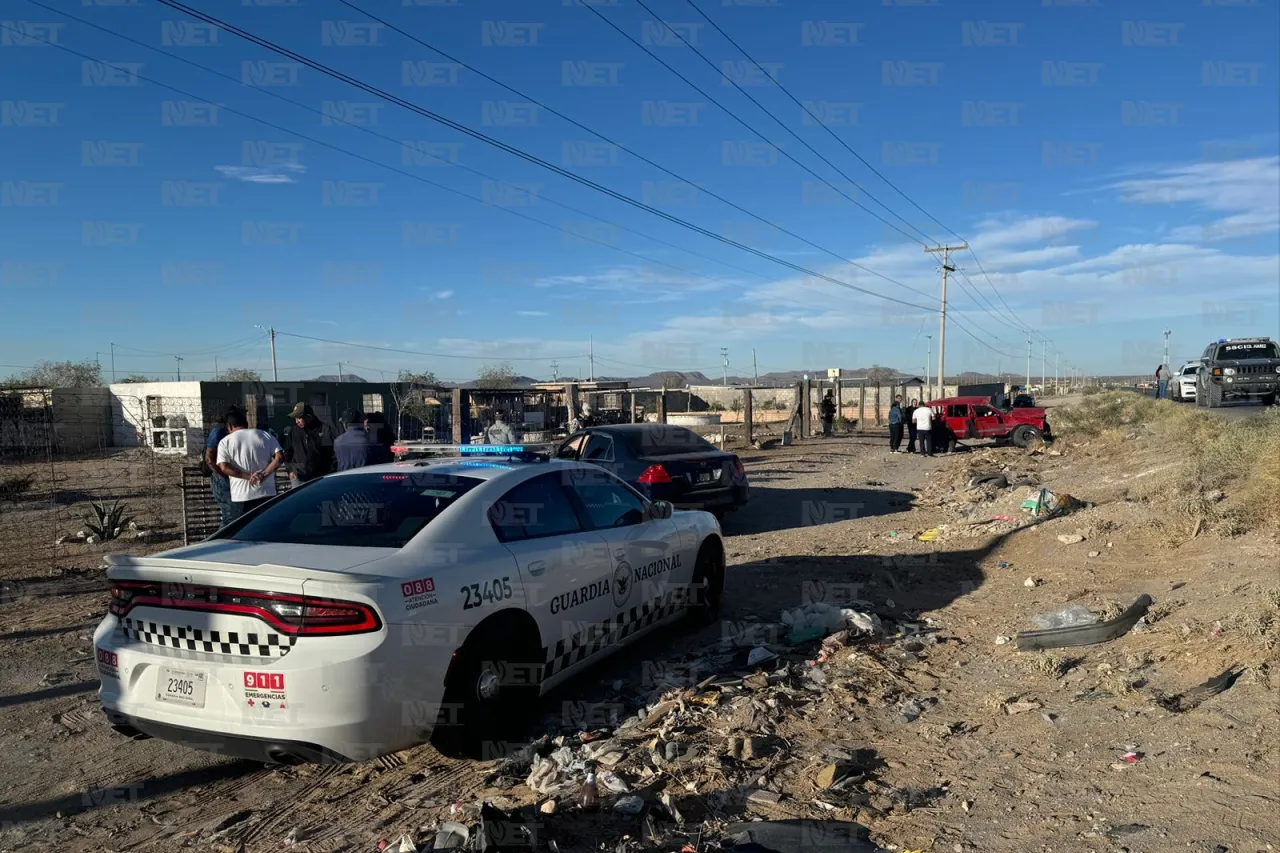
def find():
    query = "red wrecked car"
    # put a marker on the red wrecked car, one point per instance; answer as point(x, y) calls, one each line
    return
point(966, 418)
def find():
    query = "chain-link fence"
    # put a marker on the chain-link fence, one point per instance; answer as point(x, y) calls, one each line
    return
point(83, 474)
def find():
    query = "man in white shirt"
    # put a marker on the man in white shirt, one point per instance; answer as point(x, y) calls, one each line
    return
point(249, 459)
point(923, 417)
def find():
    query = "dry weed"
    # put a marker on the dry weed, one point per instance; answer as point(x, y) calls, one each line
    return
point(1048, 664)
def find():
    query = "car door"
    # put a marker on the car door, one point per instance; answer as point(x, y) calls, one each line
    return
point(572, 446)
point(649, 558)
point(988, 421)
point(601, 449)
point(567, 569)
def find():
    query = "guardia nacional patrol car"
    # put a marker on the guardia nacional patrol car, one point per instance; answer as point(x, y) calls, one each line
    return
point(375, 609)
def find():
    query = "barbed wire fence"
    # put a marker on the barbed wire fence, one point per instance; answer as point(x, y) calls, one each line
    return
point(84, 474)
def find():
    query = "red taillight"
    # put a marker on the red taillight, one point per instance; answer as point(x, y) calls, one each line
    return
point(738, 466)
point(297, 615)
point(654, 474)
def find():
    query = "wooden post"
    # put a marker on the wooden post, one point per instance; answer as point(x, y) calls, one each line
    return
point(862, 407)
point(806, 406)
point(839, 399)
point(632, 396)
point(461, 416)
point(746, 414)
point(662, 406)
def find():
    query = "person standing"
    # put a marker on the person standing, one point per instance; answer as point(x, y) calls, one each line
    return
point(248, 458)
point(499, 433)
point(923, 417)
point(907, 418)
point(1162, 382)
point(357, 446)
point(828, 411)
point(895, 426)
point(219, 485)
point(310, 446)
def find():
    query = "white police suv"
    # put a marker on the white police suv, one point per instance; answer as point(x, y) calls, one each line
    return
point(370, 610)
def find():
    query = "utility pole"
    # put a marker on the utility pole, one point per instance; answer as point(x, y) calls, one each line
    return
point(724, 354)
point(1057, 361)
point(555, 371)
point(755, 368)
point(942, 325)
point(113, 364)
point(591, 356)
point(215, 368)
point(178, 359)
point(1027, 387)
point(1166, 346)
point(339, 371)
point(271, 332)
point(1044, 356)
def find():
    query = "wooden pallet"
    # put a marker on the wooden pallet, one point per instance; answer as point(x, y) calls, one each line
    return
point(200, 515)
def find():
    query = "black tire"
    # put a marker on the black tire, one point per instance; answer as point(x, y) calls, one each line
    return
point(706, 588)
point(492, 691)
point(1024, 434)
point(1269, 400)
point(1215, 395)
point(1200, 396)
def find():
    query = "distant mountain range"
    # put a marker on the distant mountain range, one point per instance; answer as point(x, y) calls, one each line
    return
point(680, 379)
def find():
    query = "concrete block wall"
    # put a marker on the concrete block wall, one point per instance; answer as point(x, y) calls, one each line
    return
point(178, 402)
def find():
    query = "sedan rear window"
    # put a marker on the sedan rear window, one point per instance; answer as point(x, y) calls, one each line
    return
point(369, 510)
point(668, 441)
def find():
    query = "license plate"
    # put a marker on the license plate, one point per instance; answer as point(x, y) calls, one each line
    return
point(708, 476)
point(181, 687)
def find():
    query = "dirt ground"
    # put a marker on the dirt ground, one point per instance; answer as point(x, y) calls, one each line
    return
point(943, 739)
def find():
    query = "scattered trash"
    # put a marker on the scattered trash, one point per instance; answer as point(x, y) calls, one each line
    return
point(799, 836)
point(1004, 564)
point(1086, 635)
point(1067, 617)
point(629, 805)
point(1031, 583)
point(1132, 757)
point(1003, 640)
point(1012, 708)
point(1095, 553)
point(929, 535)
point(760, 655)
point(612, 782)
point(893, 534)
point(911, 711)
point(451, 835)
point(1189, 699)
point(761, 797)
point(548, 807)
point(1046, 504)
point(1070, 538)
point(819, 619)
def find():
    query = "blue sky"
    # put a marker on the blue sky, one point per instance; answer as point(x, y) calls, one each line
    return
point(1114, 167)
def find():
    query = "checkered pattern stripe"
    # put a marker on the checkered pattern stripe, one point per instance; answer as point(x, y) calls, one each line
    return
point(567, 652)
point(265, 645)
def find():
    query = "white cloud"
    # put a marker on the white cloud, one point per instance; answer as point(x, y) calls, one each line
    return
point(442, 294)
point(532, 313)
point(1247, 190)
point(281, 174)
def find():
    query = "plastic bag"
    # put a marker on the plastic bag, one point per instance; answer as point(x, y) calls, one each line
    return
point(1067, 617)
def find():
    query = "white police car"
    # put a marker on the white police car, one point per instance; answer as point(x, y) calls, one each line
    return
point(361, 613)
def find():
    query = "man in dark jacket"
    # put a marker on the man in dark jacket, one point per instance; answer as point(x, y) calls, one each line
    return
point(828, 411)
point(907, 412)
point(310, 450)
point(357, 447)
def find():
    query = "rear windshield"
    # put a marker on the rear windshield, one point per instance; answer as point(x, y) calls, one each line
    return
point(667, 441)
point(1261, 349)
point(370, 510)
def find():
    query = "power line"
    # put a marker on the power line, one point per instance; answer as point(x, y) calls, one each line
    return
point(767, 112)
point(524, 155)
point(399, 143)
point(860, 158)
point(585, 128)
point(362, 158)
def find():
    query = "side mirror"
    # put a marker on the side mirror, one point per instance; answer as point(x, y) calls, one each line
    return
point(659, 510)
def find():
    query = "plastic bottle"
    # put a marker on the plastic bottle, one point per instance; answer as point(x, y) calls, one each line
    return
point(590, 798)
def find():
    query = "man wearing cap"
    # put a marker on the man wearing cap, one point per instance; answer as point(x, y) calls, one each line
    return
point(310, 446)
point(500, 431)
point(357, 447)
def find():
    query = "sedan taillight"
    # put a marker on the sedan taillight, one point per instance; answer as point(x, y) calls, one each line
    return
point(296, 615)
point(654, 474)
point(738, 466)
